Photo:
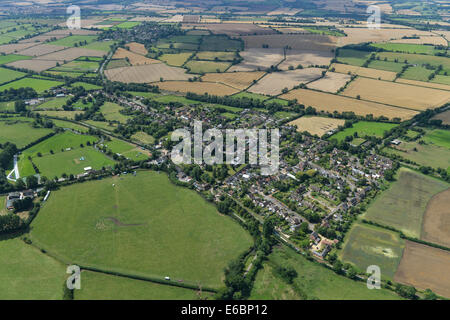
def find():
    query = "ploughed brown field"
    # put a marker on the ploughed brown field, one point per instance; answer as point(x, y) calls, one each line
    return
point(425, 267)
point(330, 102)
point(436, 223)
point(444, 116)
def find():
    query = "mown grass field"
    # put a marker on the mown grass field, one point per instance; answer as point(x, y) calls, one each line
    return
point(143, 137)
point(71, 162)
point(175, 59)
point(438, 137)
point(403, 205)
point(195, 66)
point(313, 282)
point(100, 286)
point(111, 112)
point(364, 128)
point(20, 132)
point(28, 274)
point(70, 125)
point(73, 41)
point(11, 58)
point(353, 57)
point(140, 224)
point(126, 149)
point(53, 104)
point(367, 245)
point(417, 73)
point(407, 48)
point(39, 85)
point(7, 75)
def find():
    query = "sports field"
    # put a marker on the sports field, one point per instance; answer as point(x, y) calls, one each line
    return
point(403, 205)
point(313, 281)
point(367, 245)
point(28, 274)
point(365, 128)
point(140, 224)
point(100, 286)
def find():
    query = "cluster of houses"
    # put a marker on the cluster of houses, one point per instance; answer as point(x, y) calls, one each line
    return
point(16, 196)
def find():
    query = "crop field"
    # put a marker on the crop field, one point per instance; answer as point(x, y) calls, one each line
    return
point(138, 48)
point(313, 42)
point(332, 82)
point(424, 154)
point(147, 73)
point(237, 29)
point(306, 59)
point(13, 48)
point(258, 59)
point(191, 240)
point(404, 204)
point(402, 95)
point(317, 125)
point(436, 221)
point(330, 102)
point(71, 162)
point(27, 274)
point(100, 286)
point(274, 83)
point(111, 112)
point(195, 66)
point(424, 84)
point(37, 84)
point(423, 40)
point(134, 58)
point(35, 65)
point(423, 266)
point(175, 59)
point(216, 56)
point(313, 281)
point(11, 58)
point(365, 128)
point(364, 72)
point(444, 116)
point(362, 34)
point(217, 89)
point(20, 132)
point(238, 80)
point(367, 245)
point(7, 75)
point(71, 54)
point(220, 43)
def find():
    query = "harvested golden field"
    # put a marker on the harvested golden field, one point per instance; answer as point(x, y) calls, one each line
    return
point(40, 50)
point(138, 48)
point(444, 116)
point(398, 94)
point(424, 84)
point(134, 58)
point(425, 267)
point(14, 48)
point(258, 59)
point(274, 83)
point(313, 42)
point(34, 64)
point(306, 59)
point(291, 30)
point(216, 89)
point(147, 73)
point(238, 80)
point(364, 72)
point(434, 40)
point(332, 82)
point(436, 221)
point(235, 29)
point(71, 54)
point(363, 34)
point(67, 32)
point(317, 125)
point(329, 102)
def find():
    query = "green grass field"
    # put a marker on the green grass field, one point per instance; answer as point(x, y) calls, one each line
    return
point(20, 132)
point(100, 286)
point(418, 59)
point(441, 79)
point(104, 46)
point(126, 149)
point(206, 66)
point(28, 274)
point(220, 43)
point(407, 48)
point(70, 125)
point(386, 65)
point(216, 56)
point(53, 104)
point(143, 137)
point(364, 128)
point(313, 281)
point(140, 224)
point(117, 63)
point(438, 137)
point(417, 73)
point(60, 114)
point(367, 245)
point(12, 57)
point(71, 162)
point(86, 86)
point(7, 75)
point(403, 205)
point(175, 59)
point(66, 74)
point(7, 106)
point(128, 24)
point(353, 57)
point(78, 66)
point(101, 124)
point(73, 41)
point(111, 112)
point(39, 85)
